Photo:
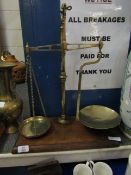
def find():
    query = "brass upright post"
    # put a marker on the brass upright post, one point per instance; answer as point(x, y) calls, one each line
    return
point(64, 8)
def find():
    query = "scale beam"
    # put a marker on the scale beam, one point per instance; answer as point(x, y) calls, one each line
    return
point(57, 47)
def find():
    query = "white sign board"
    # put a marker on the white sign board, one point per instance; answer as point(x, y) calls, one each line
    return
point(86, 23)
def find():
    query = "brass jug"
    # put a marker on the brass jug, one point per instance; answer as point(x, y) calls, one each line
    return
point(10, 104)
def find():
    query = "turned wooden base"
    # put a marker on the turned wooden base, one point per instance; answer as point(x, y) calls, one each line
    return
point(73, 136)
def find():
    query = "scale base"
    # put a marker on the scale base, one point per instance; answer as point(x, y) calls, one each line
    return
point(126, 130)
point(66, 119)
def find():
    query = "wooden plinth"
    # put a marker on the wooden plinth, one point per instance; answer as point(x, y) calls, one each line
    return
point(73, 136)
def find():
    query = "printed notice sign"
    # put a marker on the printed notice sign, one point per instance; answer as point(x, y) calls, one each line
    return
point(86, 23)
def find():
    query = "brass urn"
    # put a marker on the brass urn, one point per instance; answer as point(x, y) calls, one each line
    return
point(10, 104)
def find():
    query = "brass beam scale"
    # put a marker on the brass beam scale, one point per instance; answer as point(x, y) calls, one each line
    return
point(62, 47)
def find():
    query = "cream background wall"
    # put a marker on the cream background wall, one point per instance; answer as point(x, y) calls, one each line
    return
point(10, 28)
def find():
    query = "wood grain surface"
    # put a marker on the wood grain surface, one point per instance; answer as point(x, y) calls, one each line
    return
point(73, 136)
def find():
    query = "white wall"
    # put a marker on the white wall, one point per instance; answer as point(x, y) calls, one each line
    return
point(10, 28)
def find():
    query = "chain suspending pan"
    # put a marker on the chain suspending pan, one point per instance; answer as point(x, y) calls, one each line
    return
point(34, 126)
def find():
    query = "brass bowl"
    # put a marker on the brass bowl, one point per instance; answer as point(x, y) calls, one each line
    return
point(34, 126)
point(99, 117)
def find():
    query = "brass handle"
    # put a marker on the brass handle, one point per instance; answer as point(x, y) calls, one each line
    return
point(80, 77)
